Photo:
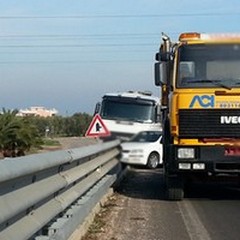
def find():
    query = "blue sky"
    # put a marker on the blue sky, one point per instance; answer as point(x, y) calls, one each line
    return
point(67, 54)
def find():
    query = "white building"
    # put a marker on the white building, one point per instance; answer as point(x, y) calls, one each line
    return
point(37, 111)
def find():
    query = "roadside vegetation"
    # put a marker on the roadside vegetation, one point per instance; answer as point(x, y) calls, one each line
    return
point(17, 134)
point(21, 135)
point(59, 126)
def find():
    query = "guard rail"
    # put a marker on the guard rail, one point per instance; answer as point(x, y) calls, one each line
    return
point(48, 195)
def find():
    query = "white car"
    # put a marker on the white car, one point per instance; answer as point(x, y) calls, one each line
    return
point(144, 148)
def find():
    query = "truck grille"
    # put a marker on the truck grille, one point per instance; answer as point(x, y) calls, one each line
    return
point(206, 123)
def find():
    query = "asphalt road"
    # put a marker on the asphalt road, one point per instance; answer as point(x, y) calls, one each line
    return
point(140, 211)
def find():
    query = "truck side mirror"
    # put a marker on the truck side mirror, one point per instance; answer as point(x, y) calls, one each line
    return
point(97, 108)
point(158, 113)
point(160, 69)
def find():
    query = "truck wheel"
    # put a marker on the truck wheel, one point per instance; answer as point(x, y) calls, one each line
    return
point(175, 188)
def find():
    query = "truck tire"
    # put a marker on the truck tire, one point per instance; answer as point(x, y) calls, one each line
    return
point(175, 188)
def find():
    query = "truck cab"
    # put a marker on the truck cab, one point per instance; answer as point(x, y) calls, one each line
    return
point(127, 113)
point(199, 78)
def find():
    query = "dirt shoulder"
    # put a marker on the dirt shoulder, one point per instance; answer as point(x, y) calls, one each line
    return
point(68, 143)
point(75, 142)
point(127, 214)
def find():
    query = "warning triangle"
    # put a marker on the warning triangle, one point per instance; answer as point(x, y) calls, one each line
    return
point(97, 128)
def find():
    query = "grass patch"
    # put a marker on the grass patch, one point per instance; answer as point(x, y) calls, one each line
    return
point(50, 142)
point(98, 226)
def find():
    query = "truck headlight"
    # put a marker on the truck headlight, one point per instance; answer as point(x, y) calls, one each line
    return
point(199, 166)
point(186, 153)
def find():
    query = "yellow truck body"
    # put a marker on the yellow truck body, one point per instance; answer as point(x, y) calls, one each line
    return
point(200, 82)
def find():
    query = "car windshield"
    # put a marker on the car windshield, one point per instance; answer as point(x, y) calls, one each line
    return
point(209, 66)
point(146, 136)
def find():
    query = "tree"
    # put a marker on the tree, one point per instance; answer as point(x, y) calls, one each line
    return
point(75, 125)
point(8, 128)
point(27, 136)
point(17, 134)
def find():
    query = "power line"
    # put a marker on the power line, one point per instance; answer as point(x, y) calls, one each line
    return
point(207, 14)
point(78, 45)
point(75, 52)
point(80, 35)
point(66, 37)
point(74, 61)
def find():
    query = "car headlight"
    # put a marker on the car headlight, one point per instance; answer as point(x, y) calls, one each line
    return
point(186, 153)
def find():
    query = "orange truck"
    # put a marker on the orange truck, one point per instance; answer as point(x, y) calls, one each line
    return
point(199, 77)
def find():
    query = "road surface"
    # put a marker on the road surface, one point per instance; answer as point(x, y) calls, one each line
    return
point(140, 211)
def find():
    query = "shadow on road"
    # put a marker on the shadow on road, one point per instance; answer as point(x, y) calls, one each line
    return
point(145, 183)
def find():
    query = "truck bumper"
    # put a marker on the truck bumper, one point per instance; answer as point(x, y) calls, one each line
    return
point(210, 159)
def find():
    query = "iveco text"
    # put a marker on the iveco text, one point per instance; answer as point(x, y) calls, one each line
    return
point(230, 120)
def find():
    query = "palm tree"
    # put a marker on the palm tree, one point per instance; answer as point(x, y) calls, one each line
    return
point(27, 136)
point(9, 125)
point(17, 135)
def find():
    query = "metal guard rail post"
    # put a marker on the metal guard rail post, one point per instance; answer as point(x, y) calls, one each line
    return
point(46, 196)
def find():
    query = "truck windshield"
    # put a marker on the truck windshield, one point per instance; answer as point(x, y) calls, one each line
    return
point(128, 110)
point(209, 66)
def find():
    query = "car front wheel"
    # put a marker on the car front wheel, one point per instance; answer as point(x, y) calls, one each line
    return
point(153, 160)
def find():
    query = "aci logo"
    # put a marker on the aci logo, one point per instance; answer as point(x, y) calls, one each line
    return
point(204, 101)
